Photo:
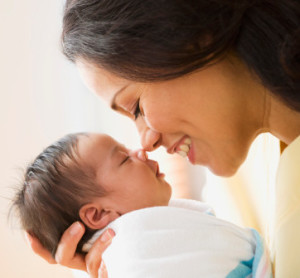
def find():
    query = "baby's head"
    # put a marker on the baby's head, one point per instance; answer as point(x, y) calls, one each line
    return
point(89, 178)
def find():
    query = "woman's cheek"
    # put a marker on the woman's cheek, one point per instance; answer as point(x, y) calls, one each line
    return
point(156, 121)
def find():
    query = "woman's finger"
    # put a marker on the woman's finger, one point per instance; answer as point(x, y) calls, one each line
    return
point(66, 251)
point(94, 257)
point(38, 248)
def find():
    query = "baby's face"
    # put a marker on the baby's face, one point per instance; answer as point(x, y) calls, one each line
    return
point(130, 182)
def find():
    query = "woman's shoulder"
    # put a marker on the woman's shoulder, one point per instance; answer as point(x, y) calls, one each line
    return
point(290, 157)
point(286, 243)
point(288, 178)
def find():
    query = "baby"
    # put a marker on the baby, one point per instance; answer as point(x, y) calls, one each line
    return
point(93, 179)
point(89, 178)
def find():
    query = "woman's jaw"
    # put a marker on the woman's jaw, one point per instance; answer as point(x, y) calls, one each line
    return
point(202, 154)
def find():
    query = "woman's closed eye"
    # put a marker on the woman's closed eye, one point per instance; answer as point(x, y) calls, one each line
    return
point(137, 111)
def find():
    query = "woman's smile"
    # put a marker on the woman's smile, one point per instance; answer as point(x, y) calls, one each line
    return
point(205, 121)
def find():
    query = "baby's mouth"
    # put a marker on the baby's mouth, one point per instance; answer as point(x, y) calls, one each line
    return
point(157, 170)
point(158, 174)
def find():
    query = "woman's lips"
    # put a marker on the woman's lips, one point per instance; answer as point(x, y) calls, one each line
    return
point(184, 147)
point(191, 154)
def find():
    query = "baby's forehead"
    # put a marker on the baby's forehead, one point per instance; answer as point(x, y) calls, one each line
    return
point(91, 141)
point(96, 147)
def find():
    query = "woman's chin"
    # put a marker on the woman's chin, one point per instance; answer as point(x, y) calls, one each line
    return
point(223, 171)
point(217, 165)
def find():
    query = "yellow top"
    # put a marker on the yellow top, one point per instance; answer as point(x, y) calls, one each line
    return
point(286, 244)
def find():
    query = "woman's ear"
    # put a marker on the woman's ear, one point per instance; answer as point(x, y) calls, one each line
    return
point(96, 217)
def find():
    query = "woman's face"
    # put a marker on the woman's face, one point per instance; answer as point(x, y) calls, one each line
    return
point(210, 116)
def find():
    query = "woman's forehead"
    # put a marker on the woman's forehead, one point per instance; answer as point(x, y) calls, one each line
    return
point(100, 81)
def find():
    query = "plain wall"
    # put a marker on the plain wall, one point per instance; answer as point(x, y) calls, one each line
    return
point(41, 99)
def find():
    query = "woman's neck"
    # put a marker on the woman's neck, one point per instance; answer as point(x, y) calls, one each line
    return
point(282, 121)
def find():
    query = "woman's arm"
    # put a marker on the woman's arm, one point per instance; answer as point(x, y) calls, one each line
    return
point(66, 255)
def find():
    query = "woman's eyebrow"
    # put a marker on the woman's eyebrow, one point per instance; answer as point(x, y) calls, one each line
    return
point(113, 104)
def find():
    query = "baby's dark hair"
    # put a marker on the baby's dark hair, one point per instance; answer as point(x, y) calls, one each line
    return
point(56, 185)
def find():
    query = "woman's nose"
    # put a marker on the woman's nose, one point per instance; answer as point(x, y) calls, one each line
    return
point(150, 139)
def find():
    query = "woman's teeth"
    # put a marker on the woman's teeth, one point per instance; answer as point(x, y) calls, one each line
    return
point(184, 147)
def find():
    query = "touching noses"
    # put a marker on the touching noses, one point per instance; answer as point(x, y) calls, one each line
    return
point(150, 139)
point(142, 155)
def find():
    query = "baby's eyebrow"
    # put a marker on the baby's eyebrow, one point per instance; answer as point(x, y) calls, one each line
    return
point(116, 153)
point(114, 150)
point(117, 148)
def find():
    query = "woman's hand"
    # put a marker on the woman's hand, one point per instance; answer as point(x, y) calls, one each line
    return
point(66, 255)
point(95, 267)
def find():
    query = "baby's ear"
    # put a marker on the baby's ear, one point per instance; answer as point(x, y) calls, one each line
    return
point(96, 217)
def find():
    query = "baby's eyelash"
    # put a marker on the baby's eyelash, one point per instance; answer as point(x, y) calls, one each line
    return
point(126, 158)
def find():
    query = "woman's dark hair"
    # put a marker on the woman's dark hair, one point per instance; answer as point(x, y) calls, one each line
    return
point(148, 40)
point(55, 187)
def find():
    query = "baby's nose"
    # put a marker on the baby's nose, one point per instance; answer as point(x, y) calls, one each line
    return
point(142, 155)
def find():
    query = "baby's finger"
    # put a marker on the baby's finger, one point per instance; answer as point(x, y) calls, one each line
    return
point(39, 249)
point(94, 257)
point(66, 251)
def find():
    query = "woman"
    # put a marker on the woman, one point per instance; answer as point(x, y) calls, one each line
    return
point(201, 78)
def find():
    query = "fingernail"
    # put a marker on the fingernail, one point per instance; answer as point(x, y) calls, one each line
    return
point(108, 235)
point(76, 228)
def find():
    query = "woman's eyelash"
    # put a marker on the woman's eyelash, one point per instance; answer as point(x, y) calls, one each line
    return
point(137, 111)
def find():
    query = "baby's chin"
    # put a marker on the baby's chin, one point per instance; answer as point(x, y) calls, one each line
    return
point(165, 199)
point(169, 196)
